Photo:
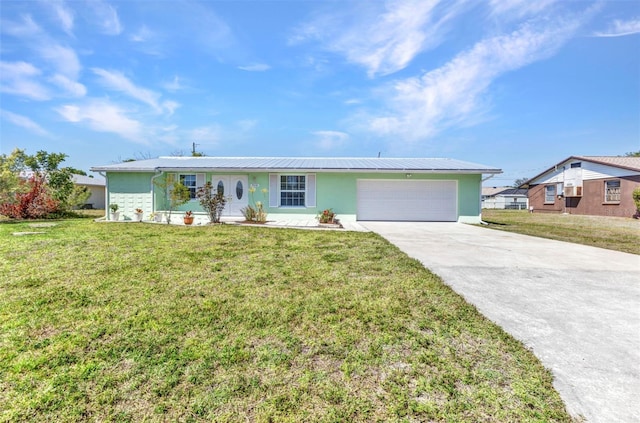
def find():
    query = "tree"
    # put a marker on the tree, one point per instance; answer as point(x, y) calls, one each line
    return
point(10, 168)
point(33, 202)
point(79, 196)
point(632, 154)
point(174, 192)
point(75, 171)
point(46, 177)
point(519, 182)
point(59, 180)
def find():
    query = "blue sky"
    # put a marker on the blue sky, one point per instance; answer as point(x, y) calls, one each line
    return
point(515, 84)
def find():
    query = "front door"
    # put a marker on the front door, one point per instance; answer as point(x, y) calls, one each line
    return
point(235, 188)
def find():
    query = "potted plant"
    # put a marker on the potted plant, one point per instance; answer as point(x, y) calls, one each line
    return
point(115, 215)
point(188, 217)
point(137, 215)
point(327, 216)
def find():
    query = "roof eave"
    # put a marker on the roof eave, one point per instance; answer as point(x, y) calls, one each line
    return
point(291, 169)
point(581, 158)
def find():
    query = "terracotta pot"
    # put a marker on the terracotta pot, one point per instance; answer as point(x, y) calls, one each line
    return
point(188, 220)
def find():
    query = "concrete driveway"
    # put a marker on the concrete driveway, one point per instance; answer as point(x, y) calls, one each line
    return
point(576, 307)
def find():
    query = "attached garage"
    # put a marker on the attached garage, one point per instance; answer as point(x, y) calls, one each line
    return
point(415, 200)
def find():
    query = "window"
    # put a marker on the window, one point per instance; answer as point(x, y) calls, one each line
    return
point(550, 194)
point(612, 191)
point(576, 164)
point(189, 181)
point(239, 190)
point(292, 190)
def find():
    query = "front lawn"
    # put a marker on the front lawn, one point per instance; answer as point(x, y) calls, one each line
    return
point(133, 322)
point(613, 233)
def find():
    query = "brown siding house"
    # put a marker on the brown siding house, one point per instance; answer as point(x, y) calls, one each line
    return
point(590, 185)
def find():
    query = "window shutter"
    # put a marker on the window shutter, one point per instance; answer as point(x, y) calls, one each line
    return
point(171, 178)
point(199, 180)
point(273, 190)
point(311, 190)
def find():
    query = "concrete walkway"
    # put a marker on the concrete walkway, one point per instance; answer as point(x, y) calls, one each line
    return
point(304, 224)
point(576, 307)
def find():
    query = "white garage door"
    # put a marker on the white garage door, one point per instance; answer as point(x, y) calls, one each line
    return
point(407, 200)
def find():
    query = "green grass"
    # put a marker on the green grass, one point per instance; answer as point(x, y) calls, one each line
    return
point(140, 322)
point(613, 233)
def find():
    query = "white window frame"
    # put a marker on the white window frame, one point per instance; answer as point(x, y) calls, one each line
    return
point(198, 181)
point(612, 194)
point(550, 198)
point(302, 191)
point(310, 190)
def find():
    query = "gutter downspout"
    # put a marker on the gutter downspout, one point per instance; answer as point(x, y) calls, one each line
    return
point(482, 222)
point(106, 195)
point(153, 189)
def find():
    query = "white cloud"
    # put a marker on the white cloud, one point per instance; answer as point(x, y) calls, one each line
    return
point(23, 122)
point(106, 17)
point(620, 28)
point(62, 14)
point(518, 8)
point(103, 116)
point(63, 59)
point(118, 82)
point(18, 78)
point(170, 106)
point(329, 140)
point(25, 29)
point(174, 85)
point(256, 67)
point(387, 40)
point(72, 87)
point(454, 94)
point(142, 35)
point(206, 134)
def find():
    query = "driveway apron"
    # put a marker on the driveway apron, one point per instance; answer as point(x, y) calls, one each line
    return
point(576, 307)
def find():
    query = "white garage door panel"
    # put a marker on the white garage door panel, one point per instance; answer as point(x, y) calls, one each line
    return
point(407, 200)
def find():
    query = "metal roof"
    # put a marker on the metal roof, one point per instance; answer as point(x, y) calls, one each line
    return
point(623, 162)
point(89, 180)
point(631, 163)
point(284, 164)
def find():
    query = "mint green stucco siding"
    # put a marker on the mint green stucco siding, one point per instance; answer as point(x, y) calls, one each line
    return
point(130, 191)
point(334, 190)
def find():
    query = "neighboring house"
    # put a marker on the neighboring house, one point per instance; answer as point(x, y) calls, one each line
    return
point(96, 186)
point(418, 189)
point(504, 198)
point(591, 185)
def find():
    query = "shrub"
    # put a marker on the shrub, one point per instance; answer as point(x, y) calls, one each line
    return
point(212, 201)
point(636, 199)
point(249, 213)
point(35, 203)
point(255, 213)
